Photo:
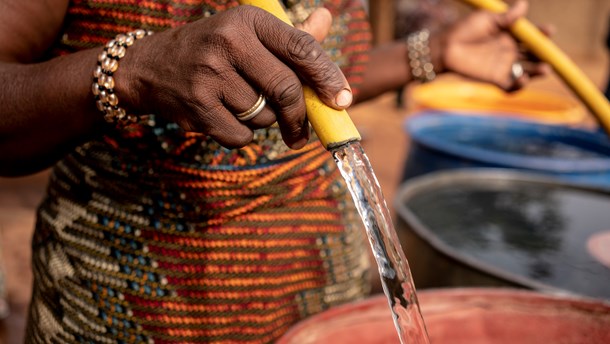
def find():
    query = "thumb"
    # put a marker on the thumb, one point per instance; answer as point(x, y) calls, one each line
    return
point(548, 29)
point(317, 24)
point(518, 10)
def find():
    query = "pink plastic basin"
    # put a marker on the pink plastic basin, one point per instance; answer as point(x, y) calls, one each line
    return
point(466, 315)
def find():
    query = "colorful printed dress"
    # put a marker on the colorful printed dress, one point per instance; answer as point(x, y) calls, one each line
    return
point(151, 234)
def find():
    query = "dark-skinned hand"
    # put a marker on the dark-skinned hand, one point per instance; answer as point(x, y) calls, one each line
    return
point(482, 47)
point(201, 74)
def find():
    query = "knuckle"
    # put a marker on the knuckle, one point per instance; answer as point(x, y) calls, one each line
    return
point(320, 70)
point(226, 39)
point(247, 13)
point(248, 17)
point(226, 34)
point(303, 47)
point(285, 90)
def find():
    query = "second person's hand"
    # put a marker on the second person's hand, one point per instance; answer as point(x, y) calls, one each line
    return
point(482, 47)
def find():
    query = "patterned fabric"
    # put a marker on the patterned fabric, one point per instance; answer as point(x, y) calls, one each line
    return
point(154, 235)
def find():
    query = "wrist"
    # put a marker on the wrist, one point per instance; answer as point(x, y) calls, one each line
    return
point(437, 52)
point(103, 87)
point(423, 56)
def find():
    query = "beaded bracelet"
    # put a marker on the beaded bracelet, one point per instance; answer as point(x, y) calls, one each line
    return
point(420, 60)
point(103, 81)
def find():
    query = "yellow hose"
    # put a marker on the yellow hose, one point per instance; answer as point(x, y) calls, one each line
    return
point(333, 127)
point(548, 52)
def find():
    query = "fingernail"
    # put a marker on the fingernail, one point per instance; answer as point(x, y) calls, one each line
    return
point(344, 98)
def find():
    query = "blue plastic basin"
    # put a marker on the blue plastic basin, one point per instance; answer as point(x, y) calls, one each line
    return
point(442, 140)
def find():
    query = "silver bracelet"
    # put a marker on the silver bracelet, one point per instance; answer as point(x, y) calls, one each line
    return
point(420, 59)
point(103, 77)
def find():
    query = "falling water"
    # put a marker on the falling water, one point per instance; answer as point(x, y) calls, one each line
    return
point(393, 266)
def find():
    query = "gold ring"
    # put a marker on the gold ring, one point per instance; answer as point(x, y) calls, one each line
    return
point(253, 111)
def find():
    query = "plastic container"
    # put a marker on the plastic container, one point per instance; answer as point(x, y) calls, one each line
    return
point(447, 141)
point(486, 227)
point(484, 99)
point(469, 316)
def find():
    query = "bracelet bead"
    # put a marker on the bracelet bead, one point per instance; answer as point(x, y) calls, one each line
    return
point(420, 60)
point(103, 84)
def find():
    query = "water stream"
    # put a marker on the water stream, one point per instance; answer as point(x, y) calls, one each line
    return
point(393, 266)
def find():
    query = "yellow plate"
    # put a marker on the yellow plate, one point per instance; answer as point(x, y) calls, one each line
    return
point(481, 98)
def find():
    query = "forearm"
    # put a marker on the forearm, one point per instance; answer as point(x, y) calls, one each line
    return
point(388, 68)
point(47, 109)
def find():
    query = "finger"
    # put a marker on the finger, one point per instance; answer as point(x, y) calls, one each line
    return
point(266, 73)
point(218, 123)
point(283, 90)
point(519, 83)
point(303, 54)
point(548, 30)
point(543, 69)
point(230, 133)
point(518, 10)
point(317, 24)
point(239, 97)
point(534, 69)
point(281, 50)
point(527, 55)
point(265, 119)
point(518, 77)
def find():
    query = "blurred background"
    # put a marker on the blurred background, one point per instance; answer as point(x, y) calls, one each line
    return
point(581, 29)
